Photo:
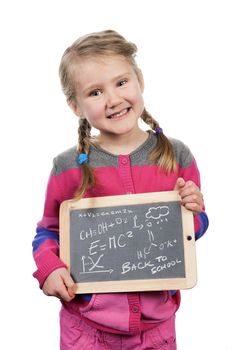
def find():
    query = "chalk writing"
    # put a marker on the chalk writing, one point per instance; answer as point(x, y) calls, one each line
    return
point(127, 242)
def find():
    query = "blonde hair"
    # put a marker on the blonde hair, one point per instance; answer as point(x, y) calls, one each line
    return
point(107, 42)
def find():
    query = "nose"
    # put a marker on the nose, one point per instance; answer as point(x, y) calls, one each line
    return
point(113, 99)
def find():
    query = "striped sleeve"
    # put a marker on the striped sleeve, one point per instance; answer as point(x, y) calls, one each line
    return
point(201, 223)
point(46, 242)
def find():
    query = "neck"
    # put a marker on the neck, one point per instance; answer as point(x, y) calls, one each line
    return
point(122, 144)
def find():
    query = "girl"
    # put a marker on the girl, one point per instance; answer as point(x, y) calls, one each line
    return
point(104, 86)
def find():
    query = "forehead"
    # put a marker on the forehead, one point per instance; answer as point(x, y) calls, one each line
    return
point(99, 68)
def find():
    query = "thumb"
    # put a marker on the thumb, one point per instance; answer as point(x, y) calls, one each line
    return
point(180, 182)
point(72, 290)
point(70, 284)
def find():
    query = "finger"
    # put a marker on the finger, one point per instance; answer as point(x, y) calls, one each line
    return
point(72, 290)
point(180, 183)
point(190, 189)
point(49, 291)
point(64, 295)
point(191, 194)
point(70, 285)
point(193, 203)
point(188, 196)
point(194, 207)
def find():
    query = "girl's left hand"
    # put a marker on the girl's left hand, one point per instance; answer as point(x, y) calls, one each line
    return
point(191, 196)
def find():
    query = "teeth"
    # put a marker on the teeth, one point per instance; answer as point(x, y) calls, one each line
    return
point(117, 115)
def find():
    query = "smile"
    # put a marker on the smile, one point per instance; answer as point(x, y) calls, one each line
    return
point(119, 114)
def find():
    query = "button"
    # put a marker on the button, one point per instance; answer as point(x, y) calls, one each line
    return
point(124, 161)
point(134, 308)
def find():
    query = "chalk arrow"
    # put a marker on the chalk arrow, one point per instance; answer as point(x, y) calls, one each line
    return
point(109, 271)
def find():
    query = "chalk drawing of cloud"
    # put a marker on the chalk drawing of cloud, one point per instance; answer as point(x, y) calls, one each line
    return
point(157, 212)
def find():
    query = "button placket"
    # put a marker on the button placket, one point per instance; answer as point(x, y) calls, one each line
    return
point(124, 161)
point(125, 173)
point(135, 308)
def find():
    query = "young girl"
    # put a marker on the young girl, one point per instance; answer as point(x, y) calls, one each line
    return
point(104, 86)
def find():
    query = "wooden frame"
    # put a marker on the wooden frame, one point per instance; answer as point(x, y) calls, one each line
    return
point(132, 285)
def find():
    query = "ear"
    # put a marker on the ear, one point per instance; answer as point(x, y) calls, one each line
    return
point(75, 108)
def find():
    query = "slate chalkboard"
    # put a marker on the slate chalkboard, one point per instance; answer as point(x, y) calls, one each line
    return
point(130, 242)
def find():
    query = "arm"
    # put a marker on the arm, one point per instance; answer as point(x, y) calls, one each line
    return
point(189, 187)
point(52, 274)
point(53, 277)
point(192, 199)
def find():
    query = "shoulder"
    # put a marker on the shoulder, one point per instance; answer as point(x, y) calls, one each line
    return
point(184, 156)
point(65, 161)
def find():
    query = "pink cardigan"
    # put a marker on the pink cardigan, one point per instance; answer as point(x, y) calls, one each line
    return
point(124, 174)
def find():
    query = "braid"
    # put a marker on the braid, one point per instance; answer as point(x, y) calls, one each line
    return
point(84, 135)
point(163, 152)
point(88, 180)
point(147, 118)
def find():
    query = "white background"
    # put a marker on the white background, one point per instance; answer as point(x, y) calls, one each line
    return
point(186, 55)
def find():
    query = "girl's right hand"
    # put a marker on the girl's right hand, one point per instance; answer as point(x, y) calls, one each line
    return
point(60, 284)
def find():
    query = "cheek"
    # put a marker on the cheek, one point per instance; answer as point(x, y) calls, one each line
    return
point(140, 98)
point(94, 111)
point(137, 99)
point(136, 95)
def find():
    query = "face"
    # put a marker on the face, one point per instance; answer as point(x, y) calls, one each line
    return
point(109, 95)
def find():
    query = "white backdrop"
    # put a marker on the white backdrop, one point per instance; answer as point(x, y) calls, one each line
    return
point(186, 55)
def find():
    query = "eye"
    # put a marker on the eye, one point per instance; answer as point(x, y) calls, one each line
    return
point(122, 82)
point(96, 92)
